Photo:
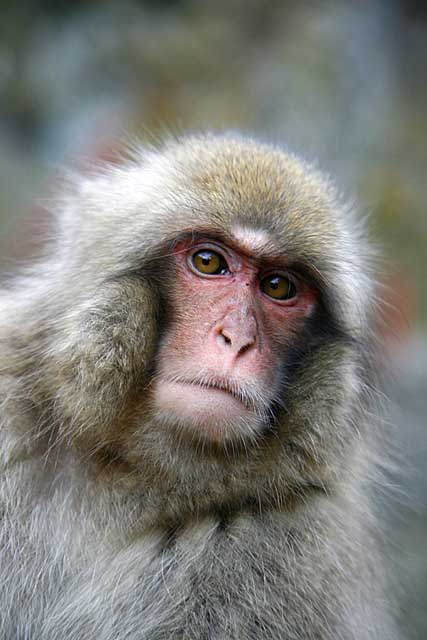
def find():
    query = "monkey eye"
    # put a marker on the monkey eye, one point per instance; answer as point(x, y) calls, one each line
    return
point(209, 263)
point(278, 286)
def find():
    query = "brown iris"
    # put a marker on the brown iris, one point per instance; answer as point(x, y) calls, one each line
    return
point(278, 287)
point(209, 262)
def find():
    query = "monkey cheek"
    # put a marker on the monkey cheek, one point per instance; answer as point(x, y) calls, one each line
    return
point(210, 414)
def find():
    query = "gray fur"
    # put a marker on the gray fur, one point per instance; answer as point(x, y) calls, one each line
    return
point(111, 528)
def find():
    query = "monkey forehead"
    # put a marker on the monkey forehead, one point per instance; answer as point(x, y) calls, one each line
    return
point(247, 176)
point(228, 179)
point(256, 242)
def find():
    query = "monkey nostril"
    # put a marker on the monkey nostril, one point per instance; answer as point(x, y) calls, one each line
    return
point(245, 348)
point(224, 336)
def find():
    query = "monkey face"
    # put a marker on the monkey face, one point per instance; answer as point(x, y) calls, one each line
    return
point(216, 291)
point(221, 361)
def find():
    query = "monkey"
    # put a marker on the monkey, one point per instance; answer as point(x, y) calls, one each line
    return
point(188, 413)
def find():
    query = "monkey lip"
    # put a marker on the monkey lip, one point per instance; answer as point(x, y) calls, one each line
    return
point(194, 399)
point(216, 386)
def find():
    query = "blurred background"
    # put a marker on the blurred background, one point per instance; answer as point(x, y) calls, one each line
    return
point(342, 83)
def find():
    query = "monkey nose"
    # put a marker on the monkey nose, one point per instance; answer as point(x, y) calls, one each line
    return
point(235, 338)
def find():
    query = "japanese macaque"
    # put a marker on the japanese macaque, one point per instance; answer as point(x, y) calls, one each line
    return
point(186, 408)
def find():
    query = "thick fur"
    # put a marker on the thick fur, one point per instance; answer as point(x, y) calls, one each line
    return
point(112, 527)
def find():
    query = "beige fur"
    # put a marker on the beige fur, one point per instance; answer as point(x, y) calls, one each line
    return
point(113, 529)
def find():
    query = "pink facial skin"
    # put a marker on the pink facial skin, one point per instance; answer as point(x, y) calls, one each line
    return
point(220, 361)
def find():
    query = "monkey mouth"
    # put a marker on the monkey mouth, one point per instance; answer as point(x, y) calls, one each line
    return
point(211, 397)
point(211, 407)
point(219, 385)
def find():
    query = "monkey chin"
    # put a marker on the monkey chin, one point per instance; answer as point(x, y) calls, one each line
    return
point(206, 414)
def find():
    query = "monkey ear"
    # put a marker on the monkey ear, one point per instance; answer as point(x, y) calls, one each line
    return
point(104, 352)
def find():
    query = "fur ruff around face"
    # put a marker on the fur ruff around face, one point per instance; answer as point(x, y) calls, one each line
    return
point(121, 519)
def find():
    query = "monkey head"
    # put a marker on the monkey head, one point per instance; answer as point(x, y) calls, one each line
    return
point(212, 296)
